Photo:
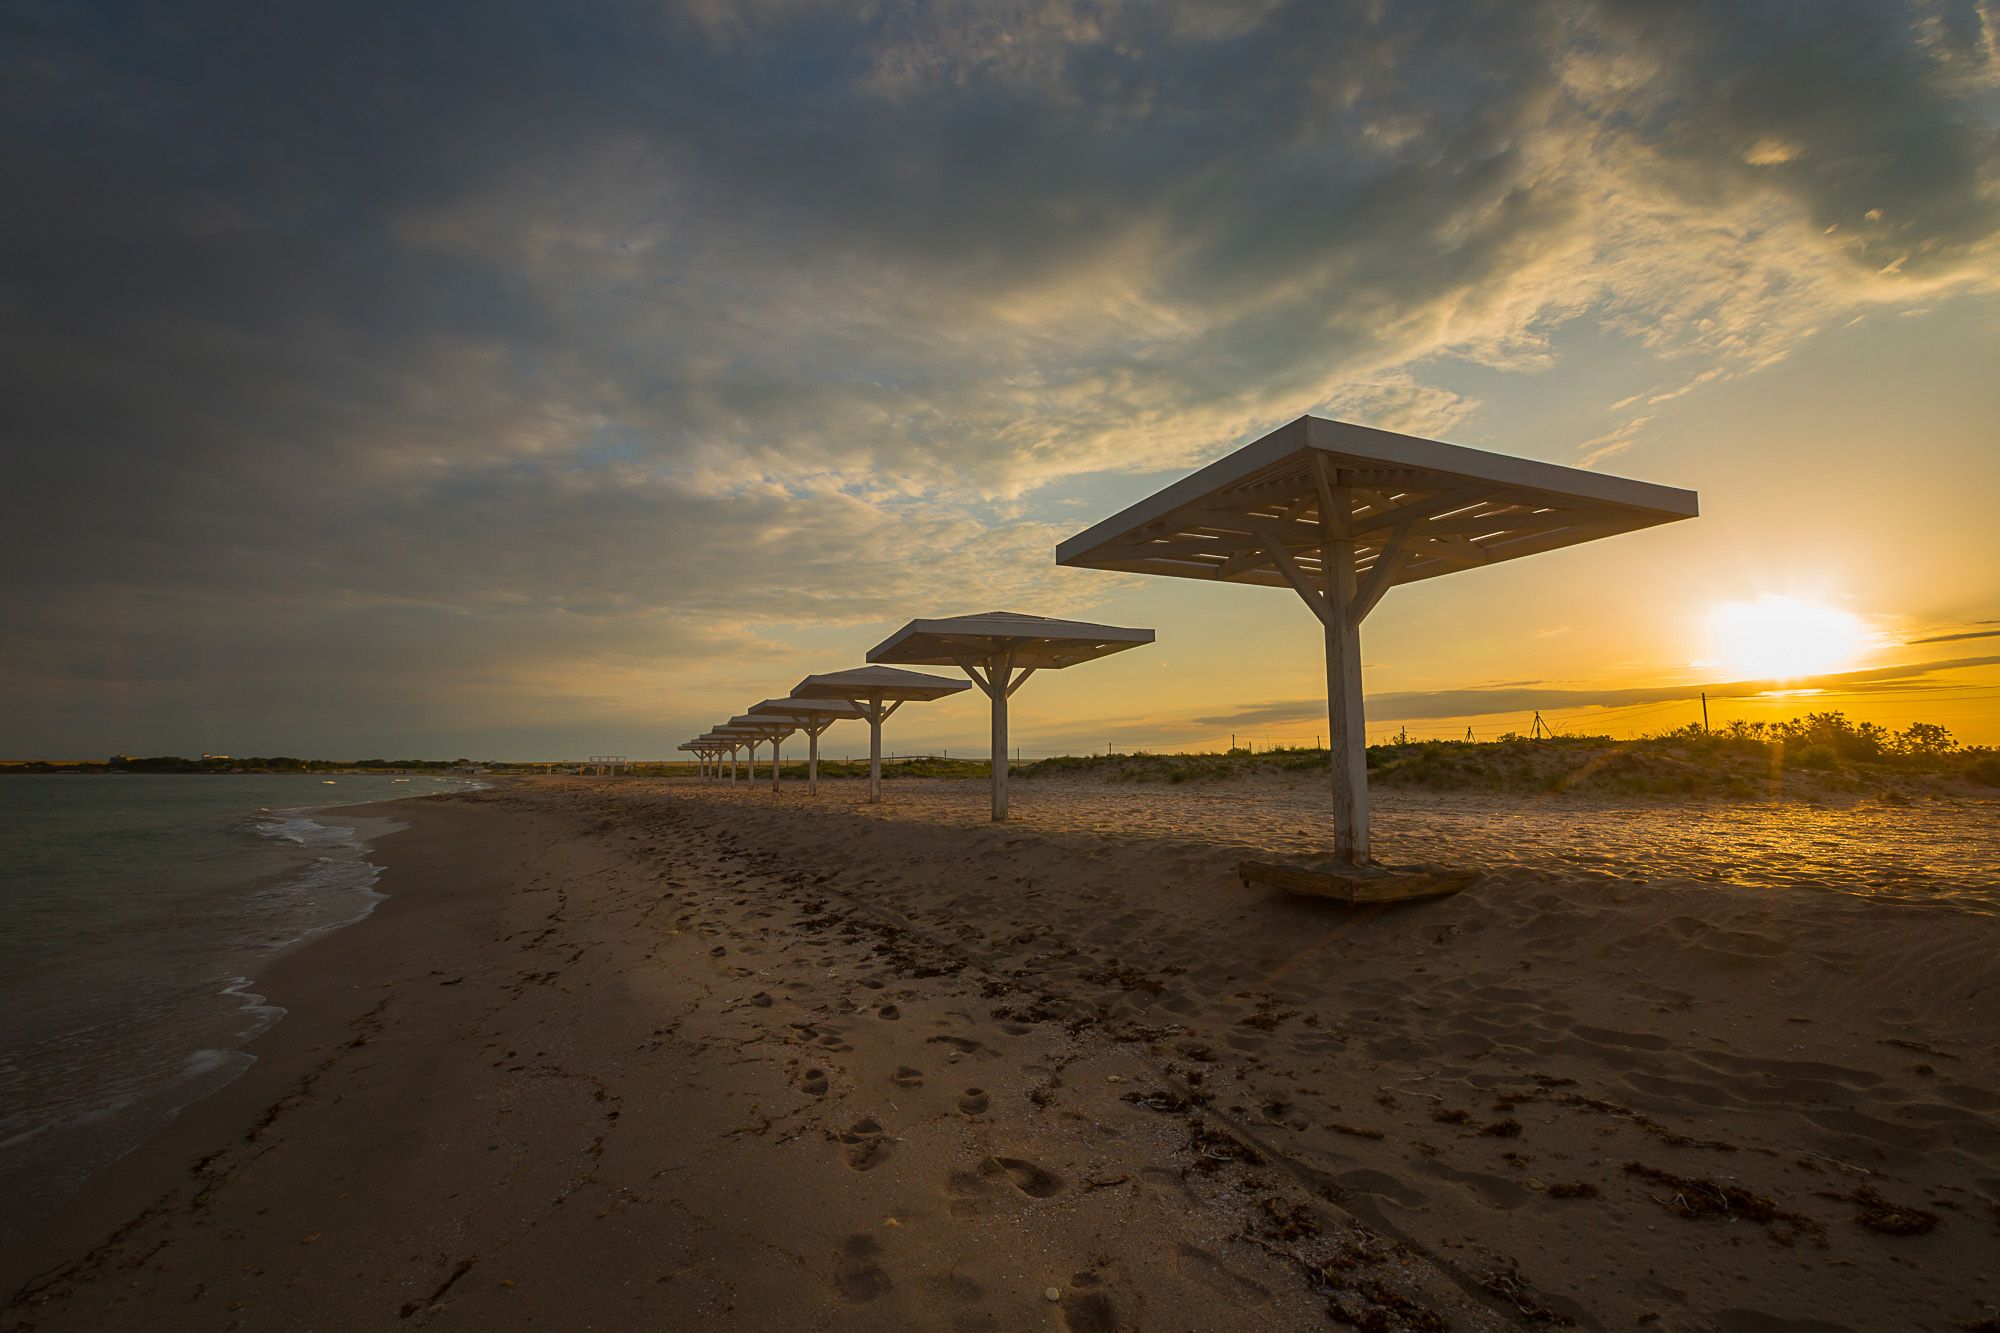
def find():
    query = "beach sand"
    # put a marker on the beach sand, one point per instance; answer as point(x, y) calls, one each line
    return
point(626, 1053)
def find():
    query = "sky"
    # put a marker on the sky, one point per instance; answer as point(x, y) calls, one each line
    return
point(533, 381)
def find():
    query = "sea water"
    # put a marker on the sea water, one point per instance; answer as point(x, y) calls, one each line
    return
point(136, 913)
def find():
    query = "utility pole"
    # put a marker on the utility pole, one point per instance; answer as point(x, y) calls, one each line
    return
point(1468, 733)
point(1540, 727)
point(1704, 712)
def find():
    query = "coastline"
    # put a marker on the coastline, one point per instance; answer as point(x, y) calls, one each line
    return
point(611, 1052)
point(309, 987)
point(138, 943)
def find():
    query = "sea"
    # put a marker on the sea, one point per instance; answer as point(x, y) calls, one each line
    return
point(136, 915)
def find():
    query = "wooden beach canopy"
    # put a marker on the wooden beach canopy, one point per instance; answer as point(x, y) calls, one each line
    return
point(1342, 513)
point(876, 691)
point(992, 648)
point(765, 728)
point(813, 716)
point(737, 738)
point(700, 756)
point(711, 748)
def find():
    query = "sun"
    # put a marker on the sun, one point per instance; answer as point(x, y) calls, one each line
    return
point(1784, 638)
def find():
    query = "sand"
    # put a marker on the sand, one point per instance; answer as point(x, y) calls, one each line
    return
point(629, 1053)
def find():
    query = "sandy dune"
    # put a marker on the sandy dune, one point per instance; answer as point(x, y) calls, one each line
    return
point(631, 1052)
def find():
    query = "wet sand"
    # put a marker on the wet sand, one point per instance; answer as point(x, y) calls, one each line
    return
point(622, 1053)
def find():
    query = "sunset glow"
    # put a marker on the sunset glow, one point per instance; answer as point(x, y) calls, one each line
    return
point(573, 442)
point(1785, 638)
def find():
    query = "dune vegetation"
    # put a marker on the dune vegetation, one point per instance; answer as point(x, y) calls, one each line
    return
point(1810, 757)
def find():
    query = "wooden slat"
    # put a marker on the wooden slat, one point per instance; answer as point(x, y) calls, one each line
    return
point(1342, 884)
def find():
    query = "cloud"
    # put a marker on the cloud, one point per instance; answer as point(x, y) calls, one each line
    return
point(1528, 696)
point(1983, 633)
point(466, 324)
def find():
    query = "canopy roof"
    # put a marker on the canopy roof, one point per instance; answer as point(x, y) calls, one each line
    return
point(744, 723)
point(1036, 641)
point(877, 681)
point(1439, 507)
point(807, 708)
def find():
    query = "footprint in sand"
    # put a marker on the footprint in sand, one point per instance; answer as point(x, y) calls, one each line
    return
point(813, 1082)
point(1089, 1312)
point(867, 1148)
point(1035, 1181)
point(890, 1012)
point(963, 1045)
point(761, 1000)
point(969, 1193)
point(974, 1101)
point(856, 1275)
point(906, 1077)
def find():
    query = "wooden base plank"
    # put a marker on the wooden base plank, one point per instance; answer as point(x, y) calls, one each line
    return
point(1351, 884)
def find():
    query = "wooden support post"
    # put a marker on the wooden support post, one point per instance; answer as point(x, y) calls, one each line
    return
point(874, 707)
point(1347, 737)
point(777, 767)
point(1346, 727)
point(998, 682)
point(812, 758)
point(999, 675)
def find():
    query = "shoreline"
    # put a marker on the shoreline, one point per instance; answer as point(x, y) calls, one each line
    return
point(638, 1050)
point(304, 871)
point(301, 984)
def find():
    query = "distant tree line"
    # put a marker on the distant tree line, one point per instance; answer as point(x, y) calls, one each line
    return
point(173, 763)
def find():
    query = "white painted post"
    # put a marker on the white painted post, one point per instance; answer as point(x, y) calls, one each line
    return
point(999, 671)
point(751, 763)
point(874, 749)
point(1347, 731)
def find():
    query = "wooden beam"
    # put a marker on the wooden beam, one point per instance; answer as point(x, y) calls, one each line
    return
point(1300, 584)
point(965, 664)
point(1395, 554)
point(1243, 562)
point(1459, 551)
point(1525, 520)
point(1335, 520)
point(1176, 548)
point(1440, 503)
